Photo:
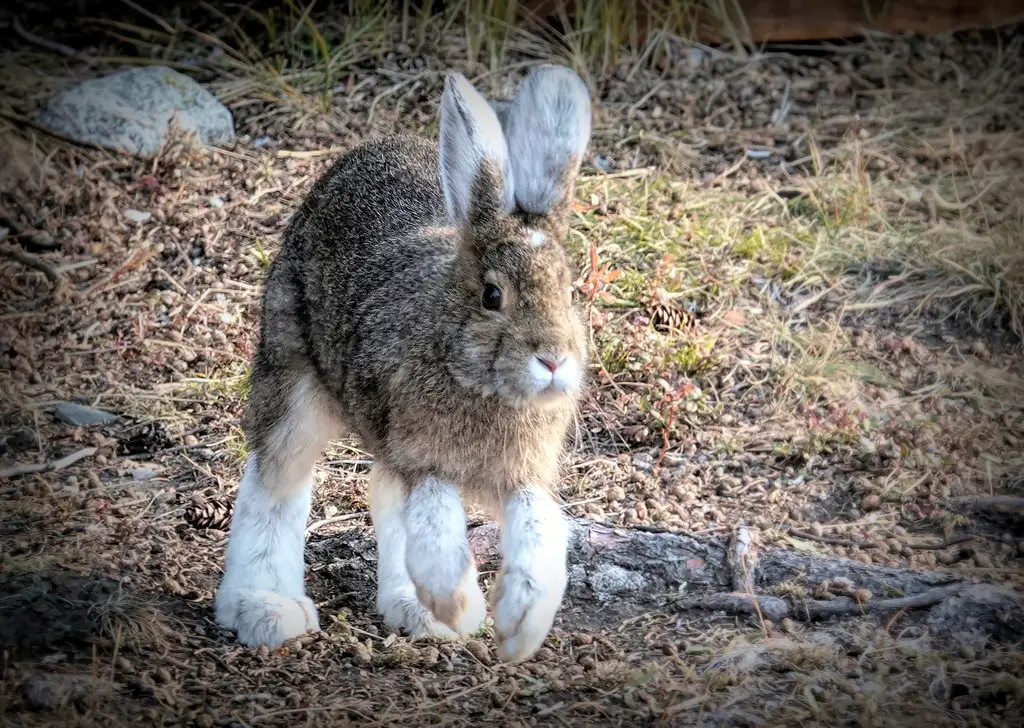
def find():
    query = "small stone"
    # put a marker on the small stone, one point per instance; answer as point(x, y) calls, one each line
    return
point(479, 650)
point(615, 493)
point(582, 638)
point(429, 656)
point(871, 502)
point(191, 441)
point(841, 585)
point(983, 561)
point(78, 415)
point(545, 654)
point(143, 473)
point(862, 595)
point(138, 216)
point(162, 675)
point(734, 317)
point(361, 654)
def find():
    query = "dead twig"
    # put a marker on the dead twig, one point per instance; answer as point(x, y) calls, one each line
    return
point(776, 608)
point(30, 261)
point(49, 466)
point(824, 539)
point(316, 525)
point(309, 154)
point(50, 45)
point(939, 546)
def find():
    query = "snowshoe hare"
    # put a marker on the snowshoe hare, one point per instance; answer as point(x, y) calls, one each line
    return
point(422, 299)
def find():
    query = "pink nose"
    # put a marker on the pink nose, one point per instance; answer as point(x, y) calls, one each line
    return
point(551, 364)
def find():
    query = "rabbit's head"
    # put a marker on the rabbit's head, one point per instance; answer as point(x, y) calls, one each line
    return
point(507, 173)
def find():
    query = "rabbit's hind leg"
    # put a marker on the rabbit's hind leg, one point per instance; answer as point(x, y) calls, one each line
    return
point(425, 532)
point(262, 594)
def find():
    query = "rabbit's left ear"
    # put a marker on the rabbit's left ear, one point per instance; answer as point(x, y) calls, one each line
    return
point(473, 152)
point(547, 128)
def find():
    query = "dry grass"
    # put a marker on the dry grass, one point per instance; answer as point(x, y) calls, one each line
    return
point(808, 306)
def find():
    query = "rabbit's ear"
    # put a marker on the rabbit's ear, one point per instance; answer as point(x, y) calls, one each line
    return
point(471, 142)
point(547, 128)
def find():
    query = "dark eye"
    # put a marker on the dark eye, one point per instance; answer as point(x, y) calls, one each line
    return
point(492, 297)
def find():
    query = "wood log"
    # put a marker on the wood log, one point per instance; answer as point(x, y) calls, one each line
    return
point(617, 573)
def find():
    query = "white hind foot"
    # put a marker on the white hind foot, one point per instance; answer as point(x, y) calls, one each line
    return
point(262, 595)
point(397, 599)
point(264, 617)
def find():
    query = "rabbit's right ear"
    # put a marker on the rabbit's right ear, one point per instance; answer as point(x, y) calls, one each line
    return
point(471, 142)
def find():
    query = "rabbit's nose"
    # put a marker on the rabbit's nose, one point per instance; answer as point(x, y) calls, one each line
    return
point(550, 363)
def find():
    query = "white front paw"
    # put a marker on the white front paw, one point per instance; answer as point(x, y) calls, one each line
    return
point(263, 617)
point(525, 605)
point(437, 555)
point(402, 610)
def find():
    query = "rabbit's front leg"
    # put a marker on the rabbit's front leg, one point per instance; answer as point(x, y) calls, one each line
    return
point(529, 589)
point(438, 559)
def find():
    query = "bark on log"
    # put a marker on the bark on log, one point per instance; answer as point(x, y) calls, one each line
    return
point(622, 572)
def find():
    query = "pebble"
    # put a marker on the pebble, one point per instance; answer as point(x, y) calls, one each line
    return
point(871, 502)
point(138, 216)
point(78, 415)
point(479, 650)
point(162, 675)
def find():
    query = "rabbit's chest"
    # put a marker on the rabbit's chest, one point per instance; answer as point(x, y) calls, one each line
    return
point(478, 451)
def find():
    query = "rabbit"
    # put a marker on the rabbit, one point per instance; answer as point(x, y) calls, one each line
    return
point(423, 300)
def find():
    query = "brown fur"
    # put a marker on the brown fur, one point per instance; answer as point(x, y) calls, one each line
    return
point(378, 303)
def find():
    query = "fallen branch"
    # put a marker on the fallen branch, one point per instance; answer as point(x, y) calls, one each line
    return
point(49, 466)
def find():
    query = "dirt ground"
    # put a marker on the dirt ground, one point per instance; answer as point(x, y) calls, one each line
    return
point(807, 287)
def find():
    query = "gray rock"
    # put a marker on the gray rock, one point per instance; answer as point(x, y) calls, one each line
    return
point(133, 110)
point(137, 216)
point(78, 416)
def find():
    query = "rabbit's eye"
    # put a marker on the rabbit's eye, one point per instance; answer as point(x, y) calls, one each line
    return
point(492, 297)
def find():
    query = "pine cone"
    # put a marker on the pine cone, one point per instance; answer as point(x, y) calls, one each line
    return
point(209, 514)
point(665, 314)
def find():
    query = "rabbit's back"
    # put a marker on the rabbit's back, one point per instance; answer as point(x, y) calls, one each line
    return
point(380, 189)
point(358, 262)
